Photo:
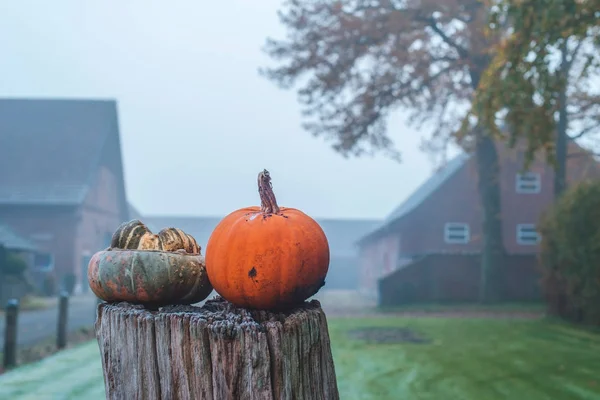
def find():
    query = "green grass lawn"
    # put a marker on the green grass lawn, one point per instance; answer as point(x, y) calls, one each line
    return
point(474, 359)
point(469, 359)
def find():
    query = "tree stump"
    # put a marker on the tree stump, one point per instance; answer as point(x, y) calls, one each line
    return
point(216, 351)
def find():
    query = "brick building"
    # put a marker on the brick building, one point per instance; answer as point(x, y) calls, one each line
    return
point(62, 184)
point(442, 221)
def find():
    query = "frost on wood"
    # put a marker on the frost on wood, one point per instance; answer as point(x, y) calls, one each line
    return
point(216, 352)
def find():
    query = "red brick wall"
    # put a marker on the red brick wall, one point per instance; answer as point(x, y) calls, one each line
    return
point(377, 259)
point(51, 228)
point(368, 269)
point(70, 233)
point(520, 208)
point(99, 217)
point(457, 200)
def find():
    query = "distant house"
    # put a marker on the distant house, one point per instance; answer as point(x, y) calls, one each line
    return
point(428, 248)
point(61, 184)
point(341, 234)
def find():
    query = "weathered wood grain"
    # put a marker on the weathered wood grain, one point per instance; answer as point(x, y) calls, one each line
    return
point(215, 352)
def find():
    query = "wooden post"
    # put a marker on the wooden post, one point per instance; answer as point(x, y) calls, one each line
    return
point(10, 334)
point(215, 352)
point(63, 316)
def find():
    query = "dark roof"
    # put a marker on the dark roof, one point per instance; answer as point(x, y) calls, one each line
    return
point(50, 149)
point(428, 188)
point(11, 241)
point(341, 233)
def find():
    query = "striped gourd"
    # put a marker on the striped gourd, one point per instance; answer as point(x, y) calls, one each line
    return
point(135, 235)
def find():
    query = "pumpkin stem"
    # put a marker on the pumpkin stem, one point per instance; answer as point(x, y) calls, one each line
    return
point(268, 203)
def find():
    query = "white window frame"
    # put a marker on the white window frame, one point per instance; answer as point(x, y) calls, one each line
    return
point(454, 225)
point(528, 179)
point(521, 234)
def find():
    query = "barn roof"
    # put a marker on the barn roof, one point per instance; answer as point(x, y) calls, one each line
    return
point(427, 188)
point(423, 192)
point(50, 148)
point(11, 241)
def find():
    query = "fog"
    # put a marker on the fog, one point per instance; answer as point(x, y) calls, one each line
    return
point(197, 121)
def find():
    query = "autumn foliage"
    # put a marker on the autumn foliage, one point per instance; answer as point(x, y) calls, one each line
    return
point(570, 257)
point(542, 77)
point(355, 63)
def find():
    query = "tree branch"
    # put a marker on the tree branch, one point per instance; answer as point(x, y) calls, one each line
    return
point(584, 132)
point(432, 23)
point(569, 62)
point(365, 58)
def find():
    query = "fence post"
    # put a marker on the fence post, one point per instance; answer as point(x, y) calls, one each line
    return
point(63, 312)
point(10, 334)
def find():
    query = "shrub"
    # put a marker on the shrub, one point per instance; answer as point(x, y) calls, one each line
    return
point(570, 255)
point(14, 265)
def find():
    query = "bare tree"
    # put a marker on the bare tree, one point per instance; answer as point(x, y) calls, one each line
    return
point(355, 62)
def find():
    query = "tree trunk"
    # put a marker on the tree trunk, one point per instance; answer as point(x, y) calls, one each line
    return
point(493, 244)
point(560, 171)
point(216, 351)
point(488, 172)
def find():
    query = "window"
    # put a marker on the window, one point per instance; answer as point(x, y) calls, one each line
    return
point(456, 233)
point(529, 182)
point(527, 234)
point(43, 261)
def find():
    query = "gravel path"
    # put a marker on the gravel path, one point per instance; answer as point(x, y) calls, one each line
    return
point(36, 326)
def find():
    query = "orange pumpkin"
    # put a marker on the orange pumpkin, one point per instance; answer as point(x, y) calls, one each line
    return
point(267, 257)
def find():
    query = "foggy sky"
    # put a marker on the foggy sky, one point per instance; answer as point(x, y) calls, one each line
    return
point(197, 121)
